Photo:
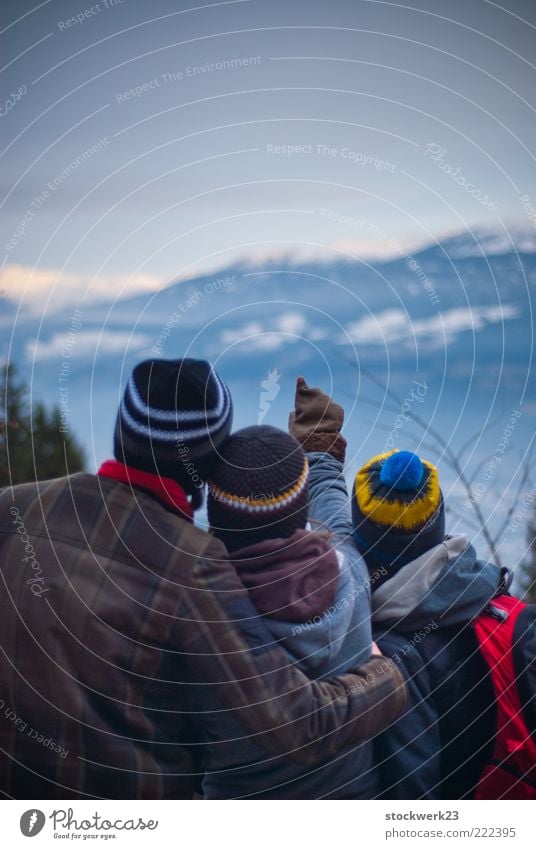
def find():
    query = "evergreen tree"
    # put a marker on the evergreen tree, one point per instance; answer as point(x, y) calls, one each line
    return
point(32, 446)
point(528, 568)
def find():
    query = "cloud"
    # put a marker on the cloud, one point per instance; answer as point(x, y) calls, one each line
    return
point(455, 321)
point(317, 334)
point(292, 323)
point(287, 328)
point(35, 285)
point(231, 337)
point(378, 328)
point(396, 325)
point(86, 343)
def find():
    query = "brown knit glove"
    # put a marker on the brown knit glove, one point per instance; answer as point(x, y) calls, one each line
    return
point(316, 421)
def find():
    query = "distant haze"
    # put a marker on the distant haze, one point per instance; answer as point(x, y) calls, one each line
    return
point(145, 143)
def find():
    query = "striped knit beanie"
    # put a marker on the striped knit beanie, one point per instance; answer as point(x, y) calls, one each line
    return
point(259, 488)
point(174, 416)
point(397, 511)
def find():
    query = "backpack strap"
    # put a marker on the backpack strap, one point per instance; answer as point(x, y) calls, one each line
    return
point(512, 773)
point(524, 653)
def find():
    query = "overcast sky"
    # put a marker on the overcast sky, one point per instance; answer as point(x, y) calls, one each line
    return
point(147, 141)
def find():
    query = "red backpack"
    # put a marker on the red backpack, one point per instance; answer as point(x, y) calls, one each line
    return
point(502, 631)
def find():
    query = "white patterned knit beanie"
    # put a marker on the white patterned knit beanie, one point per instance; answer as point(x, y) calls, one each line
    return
point(173, 419)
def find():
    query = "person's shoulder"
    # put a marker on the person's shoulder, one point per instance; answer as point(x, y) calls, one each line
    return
point(23, 494)
point(187, 537)
point(212, 547)
point(400, 647)
point(146, 511)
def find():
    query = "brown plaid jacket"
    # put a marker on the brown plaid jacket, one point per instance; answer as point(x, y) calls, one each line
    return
point(111, 608)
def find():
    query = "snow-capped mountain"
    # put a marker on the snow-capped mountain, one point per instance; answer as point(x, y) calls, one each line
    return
point(448, 318)
point(490, 241)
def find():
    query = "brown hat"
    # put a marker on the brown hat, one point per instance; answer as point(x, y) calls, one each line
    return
point(259, 488)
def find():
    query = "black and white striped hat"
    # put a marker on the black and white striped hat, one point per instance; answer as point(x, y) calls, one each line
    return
point(174, 416)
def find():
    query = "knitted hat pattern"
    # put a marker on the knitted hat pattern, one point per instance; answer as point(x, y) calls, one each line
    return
point(397, 509)
point(259, 487)
point(173, 419)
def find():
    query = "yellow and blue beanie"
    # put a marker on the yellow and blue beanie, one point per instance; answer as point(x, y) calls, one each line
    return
point(397, 511)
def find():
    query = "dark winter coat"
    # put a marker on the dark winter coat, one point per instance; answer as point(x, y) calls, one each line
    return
point(422, 619)
point(112, 610)
point(323, 640)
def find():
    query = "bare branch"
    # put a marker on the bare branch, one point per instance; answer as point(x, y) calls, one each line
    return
point(479, 468)
point(488, 426)
point(373, 402)
point(525, 477)
point(465, 519)
point(452, 459)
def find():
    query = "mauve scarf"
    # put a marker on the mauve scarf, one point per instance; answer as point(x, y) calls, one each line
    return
point(291, 579)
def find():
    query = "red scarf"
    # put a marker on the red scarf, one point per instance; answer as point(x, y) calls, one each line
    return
point(168, 491)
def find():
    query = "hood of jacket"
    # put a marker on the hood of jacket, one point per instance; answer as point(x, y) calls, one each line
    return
point(293, 579)
point(339, 639)
point(446, 585)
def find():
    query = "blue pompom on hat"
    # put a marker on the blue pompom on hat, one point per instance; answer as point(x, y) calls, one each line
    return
point(402, 471)
point(397, 511)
